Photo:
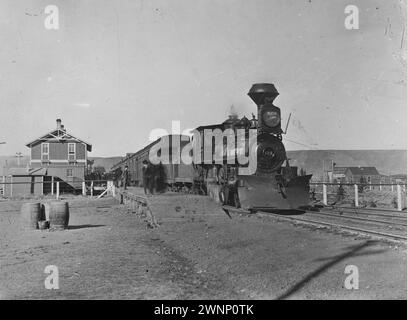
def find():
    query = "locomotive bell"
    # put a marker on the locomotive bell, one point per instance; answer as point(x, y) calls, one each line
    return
point(269, 116)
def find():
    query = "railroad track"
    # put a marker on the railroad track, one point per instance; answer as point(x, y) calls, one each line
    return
point(391, 228)
point(388, 213)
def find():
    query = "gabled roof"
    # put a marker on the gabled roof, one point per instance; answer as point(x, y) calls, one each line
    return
point(59, 135)
point(340, 170)
point(364, 171)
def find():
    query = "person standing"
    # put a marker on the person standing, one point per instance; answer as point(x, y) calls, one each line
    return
point(147, 177)
point(125, 177)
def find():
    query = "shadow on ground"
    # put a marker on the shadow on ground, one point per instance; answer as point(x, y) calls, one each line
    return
point(283, 212)
point(85, 226)
point(352, 251)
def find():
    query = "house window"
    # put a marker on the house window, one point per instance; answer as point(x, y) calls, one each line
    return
point(45, 151)
point(71, 151)
point(69, 173)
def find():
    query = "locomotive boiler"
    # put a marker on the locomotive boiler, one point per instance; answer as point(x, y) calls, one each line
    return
point(274, 184)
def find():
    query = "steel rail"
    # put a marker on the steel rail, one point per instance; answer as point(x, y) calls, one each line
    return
point(356, 218)
point(375, 213)
point(385, 235)
point(340, 226)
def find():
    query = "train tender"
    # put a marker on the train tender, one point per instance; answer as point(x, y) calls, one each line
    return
point(274, 184)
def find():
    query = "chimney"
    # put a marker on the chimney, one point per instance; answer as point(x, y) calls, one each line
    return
point(59, 124)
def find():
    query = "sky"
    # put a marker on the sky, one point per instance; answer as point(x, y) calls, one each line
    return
point(116, 70)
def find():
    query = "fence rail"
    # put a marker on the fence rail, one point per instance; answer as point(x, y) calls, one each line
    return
point(373, 194)
point(355, 194)
point(10, 188)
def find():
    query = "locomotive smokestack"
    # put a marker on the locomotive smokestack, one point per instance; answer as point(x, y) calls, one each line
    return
point(269, 116)
point(260, 91)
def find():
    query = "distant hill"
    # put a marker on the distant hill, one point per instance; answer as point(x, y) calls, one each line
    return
point(388, 162)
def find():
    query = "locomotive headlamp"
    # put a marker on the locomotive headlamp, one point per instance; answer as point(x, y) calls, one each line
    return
point(271, 118)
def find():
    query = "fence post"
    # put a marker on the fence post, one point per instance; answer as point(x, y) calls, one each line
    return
point(399, 203)
point(52, 185)
point(109, 188)
point(57, 196)
point(112, 188)
point(4, 185)
point(11, 186)
point(356, 195)
point(380, 186)
point(91, 189)
point(83, 188)
point(392, 188)
point(324, 195)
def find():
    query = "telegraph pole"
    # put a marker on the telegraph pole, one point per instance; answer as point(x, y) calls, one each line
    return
point(18, 155)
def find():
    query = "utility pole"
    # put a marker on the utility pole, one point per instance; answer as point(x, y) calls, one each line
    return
point(18, 156)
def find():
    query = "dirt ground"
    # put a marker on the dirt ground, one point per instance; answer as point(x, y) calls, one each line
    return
point(197, 252)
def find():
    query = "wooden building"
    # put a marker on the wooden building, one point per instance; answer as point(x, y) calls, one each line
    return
point(22, 181)
point(362, 174)
point(62, 155)
point(368, 175)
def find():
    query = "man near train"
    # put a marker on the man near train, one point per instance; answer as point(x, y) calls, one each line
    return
point(147, 177)
point(125, 177)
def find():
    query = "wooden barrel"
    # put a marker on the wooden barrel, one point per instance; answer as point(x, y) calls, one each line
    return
point(30, 214)
point(58, 215)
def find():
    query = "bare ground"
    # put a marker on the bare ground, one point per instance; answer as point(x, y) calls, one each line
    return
point(197, 252)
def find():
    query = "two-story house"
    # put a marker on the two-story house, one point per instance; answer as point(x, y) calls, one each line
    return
point(62, 155)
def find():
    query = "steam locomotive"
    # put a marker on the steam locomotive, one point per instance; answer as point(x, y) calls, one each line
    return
point(274, 184)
